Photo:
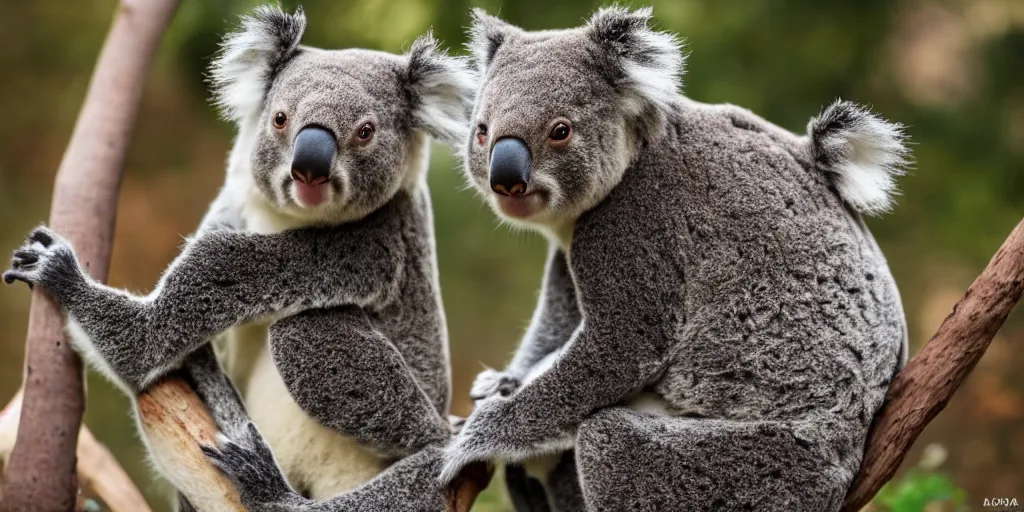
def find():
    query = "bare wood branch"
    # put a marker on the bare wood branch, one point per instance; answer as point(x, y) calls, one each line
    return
point(41, 473)
point(462, 492)
point(176, 422)
point(100, 476)
point(925, 386)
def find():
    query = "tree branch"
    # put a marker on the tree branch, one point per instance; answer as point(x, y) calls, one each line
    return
point(175, 422)
point(41, 474)
point(99, 474)
point(924, 387)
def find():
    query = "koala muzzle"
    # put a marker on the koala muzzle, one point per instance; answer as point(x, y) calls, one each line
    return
point(510, 166)
point(313, 156)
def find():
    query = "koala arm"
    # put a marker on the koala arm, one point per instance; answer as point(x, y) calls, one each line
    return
point(556, 317)
point(601, 365)
point(221, 279)
point(409, 484)
point(348, 375)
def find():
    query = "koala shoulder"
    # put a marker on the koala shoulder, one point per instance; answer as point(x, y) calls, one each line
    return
point(847, 147)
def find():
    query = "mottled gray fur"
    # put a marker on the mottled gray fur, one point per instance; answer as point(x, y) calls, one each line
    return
point(348, 286)
point(700, 256)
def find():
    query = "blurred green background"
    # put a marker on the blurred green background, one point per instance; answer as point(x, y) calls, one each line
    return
point(950, 70)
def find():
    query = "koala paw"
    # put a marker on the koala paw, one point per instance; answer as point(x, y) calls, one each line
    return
point(483, 436)
point(46, 259)
point(490, 382)
point(249, 464)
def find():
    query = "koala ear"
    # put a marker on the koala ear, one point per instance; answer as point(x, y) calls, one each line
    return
point(646, 65)
point(248, 60)
point(486, 34)
point(441, 90)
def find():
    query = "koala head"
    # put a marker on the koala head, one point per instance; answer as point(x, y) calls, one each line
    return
point(560, 114)
point(332, 135)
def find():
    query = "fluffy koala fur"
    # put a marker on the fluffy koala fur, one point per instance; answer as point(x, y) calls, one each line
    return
point(325, 294)
point(716, 327)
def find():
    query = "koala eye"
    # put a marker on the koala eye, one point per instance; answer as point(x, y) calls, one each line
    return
point(560, 133)
point(481, 134)
point(279, 120)
point(365, 132)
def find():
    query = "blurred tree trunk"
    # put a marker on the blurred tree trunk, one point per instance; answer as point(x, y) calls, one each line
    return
point(924, 387)
point(41, 473)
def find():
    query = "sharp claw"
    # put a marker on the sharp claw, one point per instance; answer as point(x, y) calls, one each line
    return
point(210, 451)
point(41, 236)
point(24, 257)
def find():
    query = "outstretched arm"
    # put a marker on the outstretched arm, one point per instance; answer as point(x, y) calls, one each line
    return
point(222, 278)
point(557, 316)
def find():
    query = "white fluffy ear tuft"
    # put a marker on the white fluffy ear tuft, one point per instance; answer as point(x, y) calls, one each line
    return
point(245, 67)
point(486, 34)
point(862, 154)
point(645, 64)
point(441, 89)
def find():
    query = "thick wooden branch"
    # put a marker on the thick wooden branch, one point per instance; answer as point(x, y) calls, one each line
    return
point(924, 387)
point(41, 473)
point(175, 422)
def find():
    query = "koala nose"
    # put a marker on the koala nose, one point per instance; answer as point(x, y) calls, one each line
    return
point(510, 166)
point(313, 155)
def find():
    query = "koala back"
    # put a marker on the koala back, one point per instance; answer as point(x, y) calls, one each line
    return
point(769, 296)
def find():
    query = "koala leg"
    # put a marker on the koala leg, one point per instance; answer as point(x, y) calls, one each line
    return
point(630, 460)
point(409, 485)
point(563, 485)
point(203, 372)
point(342, 371)
point(553, 488)
point(527, 493)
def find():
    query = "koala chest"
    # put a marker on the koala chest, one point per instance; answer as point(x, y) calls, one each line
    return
point(317, 460)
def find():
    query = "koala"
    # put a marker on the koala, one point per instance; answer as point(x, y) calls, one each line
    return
point(717, 326)
point(314, 270)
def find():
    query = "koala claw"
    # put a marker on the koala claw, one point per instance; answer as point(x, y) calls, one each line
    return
point(490, 381)
point(44, 257)
point(249, 464)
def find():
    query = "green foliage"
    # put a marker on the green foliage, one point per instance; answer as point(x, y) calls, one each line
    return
point(919, 488)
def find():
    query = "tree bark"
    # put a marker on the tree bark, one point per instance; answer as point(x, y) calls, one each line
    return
point(41, 473)
point(924, 387)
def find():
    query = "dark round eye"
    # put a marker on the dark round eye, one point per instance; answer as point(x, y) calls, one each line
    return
point(279, 120)
point(481, 133)
point(560, 132)
point(365, 131)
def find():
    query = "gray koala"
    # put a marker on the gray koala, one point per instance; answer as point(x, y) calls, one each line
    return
point(315, 266)
point(717, 326)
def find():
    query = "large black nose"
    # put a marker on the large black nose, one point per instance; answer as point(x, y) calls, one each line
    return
point(510, 166)
point(313, 155)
